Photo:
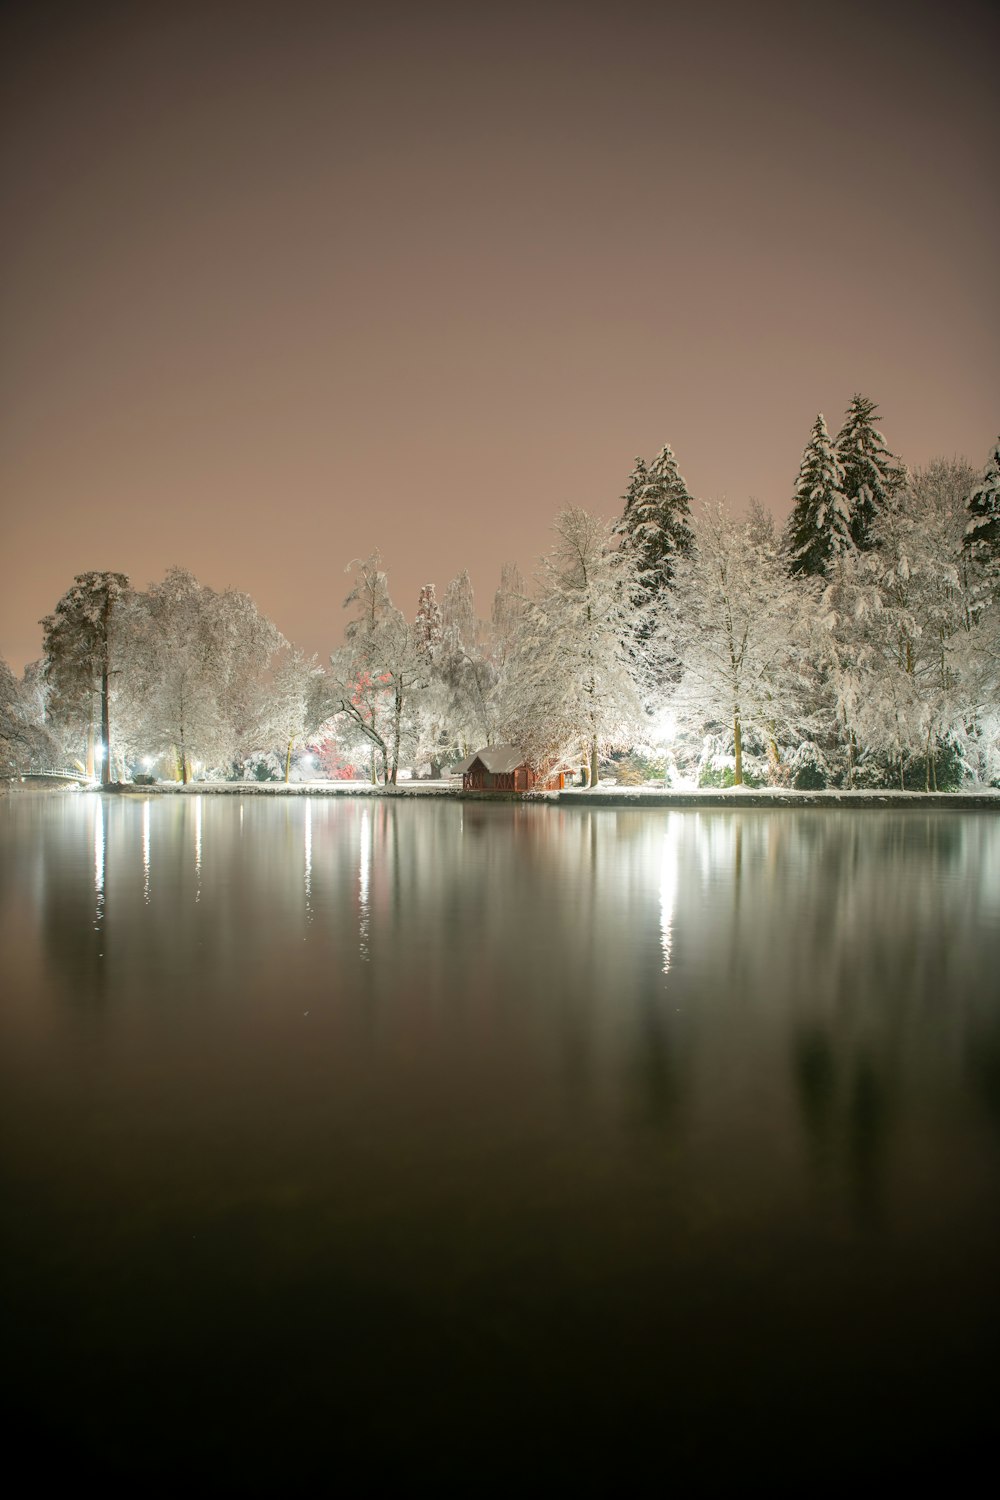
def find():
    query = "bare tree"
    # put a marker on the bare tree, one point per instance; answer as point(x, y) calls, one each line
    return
point(381, 668)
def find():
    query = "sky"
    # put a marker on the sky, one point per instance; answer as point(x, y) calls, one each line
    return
point(283, 283)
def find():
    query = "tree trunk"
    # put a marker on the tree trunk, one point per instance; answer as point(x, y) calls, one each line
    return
point(595, 772)
point(105, 731)
point(397, 730)
point(90, 750)
point(288, 762)
point(738, 751)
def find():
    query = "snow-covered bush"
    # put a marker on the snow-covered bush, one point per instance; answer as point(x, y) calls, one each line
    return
point(807, 767)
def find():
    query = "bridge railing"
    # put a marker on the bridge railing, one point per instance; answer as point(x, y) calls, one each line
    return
point(60, 774)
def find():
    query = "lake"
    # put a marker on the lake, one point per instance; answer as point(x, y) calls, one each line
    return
point(486, 1144)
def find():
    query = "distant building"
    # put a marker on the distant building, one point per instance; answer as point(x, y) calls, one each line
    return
point(500, 768)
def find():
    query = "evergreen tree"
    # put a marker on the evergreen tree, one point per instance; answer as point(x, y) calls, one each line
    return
point(655, 527)
point(982, 534)
point(636, 483)
point(872, 475)
point(820, 524)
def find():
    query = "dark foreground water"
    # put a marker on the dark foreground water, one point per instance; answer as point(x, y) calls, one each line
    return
point(354, 1141)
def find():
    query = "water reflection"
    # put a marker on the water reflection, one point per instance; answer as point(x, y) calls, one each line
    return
point(665, 965)
point(197, 847)
point(99, 870)
point(668, 888)
point(612, 1081)
point(145, 851)
point(364, 864)
point(307, 855)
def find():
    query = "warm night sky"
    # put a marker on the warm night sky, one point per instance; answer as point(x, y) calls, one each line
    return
point(279, 285)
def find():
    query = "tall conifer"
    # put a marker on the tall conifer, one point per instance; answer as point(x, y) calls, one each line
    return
point(872, 475)
point(982, 534)
point(820, 524)
point(655, 526)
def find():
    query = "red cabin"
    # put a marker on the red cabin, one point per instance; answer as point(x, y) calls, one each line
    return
point(504, 768)
point(498, 768)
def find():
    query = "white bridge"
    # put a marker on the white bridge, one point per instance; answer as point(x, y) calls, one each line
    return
point(79, 777)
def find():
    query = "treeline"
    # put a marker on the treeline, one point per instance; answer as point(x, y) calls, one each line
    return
point(858, 646)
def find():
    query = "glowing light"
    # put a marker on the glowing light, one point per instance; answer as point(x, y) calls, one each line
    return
point(149, 761)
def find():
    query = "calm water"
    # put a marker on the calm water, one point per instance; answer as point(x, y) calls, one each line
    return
point(486, 1143)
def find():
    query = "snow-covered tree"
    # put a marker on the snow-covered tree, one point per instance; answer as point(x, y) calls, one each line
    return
point(633, 489)
point(297, 701)
point(429, 623)
point(918, 627)
point(820, 523)
point(25, 744)
point(570, 695)
point(508, 602)
point(380, 670)
point(83, 643)
point(196, 680)
point(899, 630)
point(740, 627)
point(655, 526)
point(872, 476)
point(458, 611)
point(981, 540)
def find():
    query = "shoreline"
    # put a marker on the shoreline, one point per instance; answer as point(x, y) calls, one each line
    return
point(757, 798)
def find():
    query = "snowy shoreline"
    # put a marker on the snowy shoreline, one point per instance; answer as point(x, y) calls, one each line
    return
point(600, 796)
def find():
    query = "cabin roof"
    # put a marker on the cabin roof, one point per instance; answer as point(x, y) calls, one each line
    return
point(498, 758)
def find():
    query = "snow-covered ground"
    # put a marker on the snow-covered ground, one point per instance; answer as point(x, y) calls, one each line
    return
point(603, 795)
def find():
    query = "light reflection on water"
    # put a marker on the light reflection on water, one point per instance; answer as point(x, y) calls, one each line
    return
point(522, 1094)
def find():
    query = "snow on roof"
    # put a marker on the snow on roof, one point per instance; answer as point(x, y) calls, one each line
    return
point(498, 758)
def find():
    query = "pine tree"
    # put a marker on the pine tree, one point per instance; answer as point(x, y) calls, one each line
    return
point(655, 526)
point(872, 475)
point(819, 526)
point(982, 534)
point(636, 483)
